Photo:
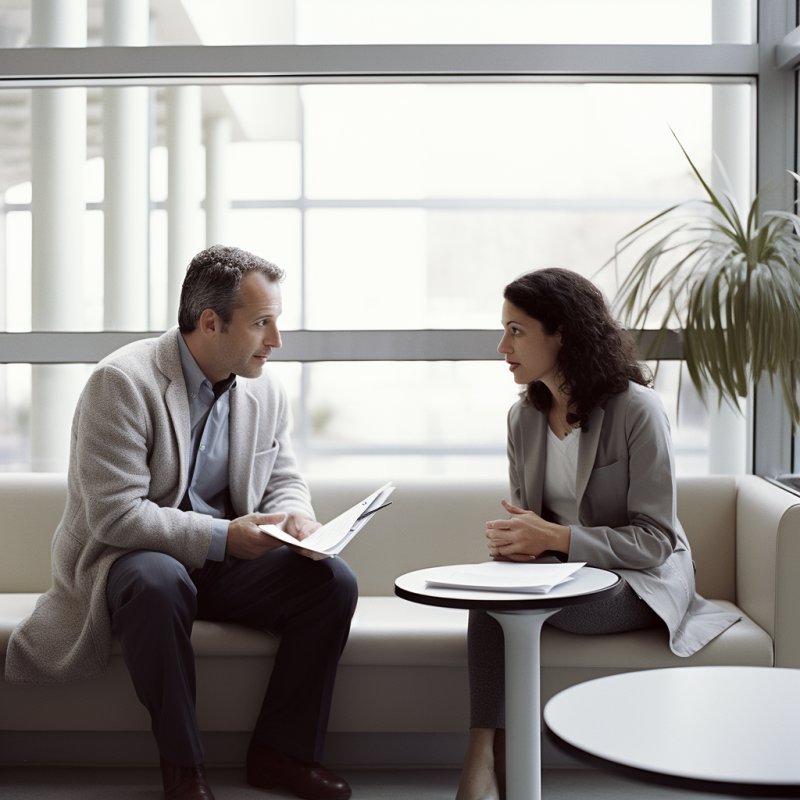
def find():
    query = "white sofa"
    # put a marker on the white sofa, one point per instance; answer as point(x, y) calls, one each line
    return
point(401, 694)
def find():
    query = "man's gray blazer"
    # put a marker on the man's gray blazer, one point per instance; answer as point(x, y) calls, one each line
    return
point(128, 472)
point(627, 518)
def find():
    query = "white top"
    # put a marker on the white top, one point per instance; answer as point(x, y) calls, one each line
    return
point(731, 725)
point(560, 476)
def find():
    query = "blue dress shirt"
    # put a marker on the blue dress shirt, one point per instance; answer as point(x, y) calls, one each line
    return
point(209, 407)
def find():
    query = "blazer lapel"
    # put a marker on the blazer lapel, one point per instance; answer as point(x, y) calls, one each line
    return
point(533, 444)
point(587, 451)
point(176, 399)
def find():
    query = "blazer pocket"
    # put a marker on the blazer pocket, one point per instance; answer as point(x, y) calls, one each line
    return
point(606, 497)
point(610, 472)
point(269, 453)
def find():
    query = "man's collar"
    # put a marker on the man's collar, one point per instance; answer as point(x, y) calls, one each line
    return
point(195, 377)
point(220, 387)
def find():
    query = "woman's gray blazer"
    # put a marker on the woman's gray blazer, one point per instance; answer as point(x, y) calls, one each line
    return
point(627, 518)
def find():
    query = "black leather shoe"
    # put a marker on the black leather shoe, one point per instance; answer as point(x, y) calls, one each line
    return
point(269, 769)
point(185, 783)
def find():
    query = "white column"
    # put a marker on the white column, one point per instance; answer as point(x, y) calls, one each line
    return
point(184, 235)
point(732, 173)
point(58, 122)
point(218, 137)
point(126, 23)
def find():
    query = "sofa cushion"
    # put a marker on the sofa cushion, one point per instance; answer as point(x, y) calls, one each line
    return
point(14, 607)
point(742, 643)
point(389, 631)
point(32, 504)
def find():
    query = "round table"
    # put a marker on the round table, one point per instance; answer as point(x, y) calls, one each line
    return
point(731, 730)
point(521, 617)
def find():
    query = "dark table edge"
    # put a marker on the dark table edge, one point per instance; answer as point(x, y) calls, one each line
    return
point(536, 601)
point(673, 781)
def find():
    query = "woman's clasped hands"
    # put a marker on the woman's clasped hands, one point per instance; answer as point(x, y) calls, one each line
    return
point(524, 535)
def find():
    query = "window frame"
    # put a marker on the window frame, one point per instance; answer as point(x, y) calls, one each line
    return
point(771, 63)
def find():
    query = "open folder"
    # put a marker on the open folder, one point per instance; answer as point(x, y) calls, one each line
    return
point(504, 576)
point(329, 540)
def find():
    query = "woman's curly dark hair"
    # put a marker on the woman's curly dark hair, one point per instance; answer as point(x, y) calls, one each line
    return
point(597, 357)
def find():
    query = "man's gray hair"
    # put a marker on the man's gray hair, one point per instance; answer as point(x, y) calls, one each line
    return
point(213, 280)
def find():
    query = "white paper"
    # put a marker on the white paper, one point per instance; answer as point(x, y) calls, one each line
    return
point(505, 576)
point(333, 537)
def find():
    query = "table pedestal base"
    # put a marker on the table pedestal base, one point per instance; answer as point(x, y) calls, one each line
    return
point(522, 632)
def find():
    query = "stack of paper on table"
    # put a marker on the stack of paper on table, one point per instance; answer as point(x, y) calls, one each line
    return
point(332, 538)
point(505, 576)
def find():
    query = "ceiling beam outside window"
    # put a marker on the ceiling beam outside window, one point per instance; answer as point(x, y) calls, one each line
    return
point(114, 66)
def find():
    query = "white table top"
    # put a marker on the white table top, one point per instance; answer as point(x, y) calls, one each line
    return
point(588, 583)
point(720, 729)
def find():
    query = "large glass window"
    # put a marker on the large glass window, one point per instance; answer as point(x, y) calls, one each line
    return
point(397, 207)
point(434, 195)
point(401, 159)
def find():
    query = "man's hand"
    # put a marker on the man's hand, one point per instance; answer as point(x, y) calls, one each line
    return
point(246, 540)
point(524, 535)
point(300, 526)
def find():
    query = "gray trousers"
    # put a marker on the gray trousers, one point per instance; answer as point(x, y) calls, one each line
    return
point(154, 601)
point(625, 611)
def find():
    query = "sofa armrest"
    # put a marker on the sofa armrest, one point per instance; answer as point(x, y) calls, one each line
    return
point(768, 563)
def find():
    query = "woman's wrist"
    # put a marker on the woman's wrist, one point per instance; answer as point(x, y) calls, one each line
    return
point(561, 538)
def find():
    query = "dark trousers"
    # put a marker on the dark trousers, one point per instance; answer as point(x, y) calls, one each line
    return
point(154, 601)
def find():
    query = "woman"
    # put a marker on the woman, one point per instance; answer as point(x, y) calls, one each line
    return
point(592, 479)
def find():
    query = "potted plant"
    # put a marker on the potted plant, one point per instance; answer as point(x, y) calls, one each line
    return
point(732, 286)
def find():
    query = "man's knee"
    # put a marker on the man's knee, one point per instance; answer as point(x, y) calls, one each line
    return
point(152, 582)
point(344, 582)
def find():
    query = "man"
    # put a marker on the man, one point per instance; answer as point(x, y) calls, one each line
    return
point(179, 451)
